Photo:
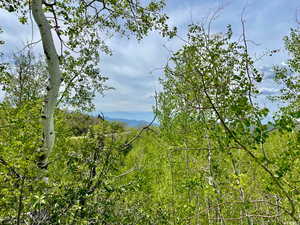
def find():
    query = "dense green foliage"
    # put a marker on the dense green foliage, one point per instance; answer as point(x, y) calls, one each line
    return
point(211, 160)
point(82, 170)
point(177, 185)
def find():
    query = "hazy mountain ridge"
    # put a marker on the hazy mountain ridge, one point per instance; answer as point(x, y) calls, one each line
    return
point(131, 123)
point(132, 119)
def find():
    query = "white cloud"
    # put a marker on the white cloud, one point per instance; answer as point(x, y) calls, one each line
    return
point(268, 91)
point(1, 95)
point(15, 34)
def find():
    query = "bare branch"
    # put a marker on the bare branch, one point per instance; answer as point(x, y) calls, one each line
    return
point(10, 169)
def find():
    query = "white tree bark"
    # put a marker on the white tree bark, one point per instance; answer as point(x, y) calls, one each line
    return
point(54, 81)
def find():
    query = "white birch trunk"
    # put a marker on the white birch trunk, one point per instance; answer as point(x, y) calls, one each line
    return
point(54, 81)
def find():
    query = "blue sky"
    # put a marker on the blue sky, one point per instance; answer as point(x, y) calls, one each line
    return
point(135, 67)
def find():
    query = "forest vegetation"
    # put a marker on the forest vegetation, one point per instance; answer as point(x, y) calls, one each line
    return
point(211, 160)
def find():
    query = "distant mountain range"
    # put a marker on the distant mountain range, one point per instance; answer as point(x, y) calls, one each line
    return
point(130, 123)
point(146, 116)
point(132, 119)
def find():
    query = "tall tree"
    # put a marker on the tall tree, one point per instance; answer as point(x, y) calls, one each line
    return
point(25, 78)
point(288, 77)
point(207, 98)
point(80, 27)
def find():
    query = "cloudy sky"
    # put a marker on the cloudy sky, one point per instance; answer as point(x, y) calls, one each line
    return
point(135, 67)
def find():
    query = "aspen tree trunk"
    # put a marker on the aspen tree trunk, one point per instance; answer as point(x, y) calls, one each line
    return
point(244, 213)
point(53, 85)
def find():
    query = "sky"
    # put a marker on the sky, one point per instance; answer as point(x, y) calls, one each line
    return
point(134, 68)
